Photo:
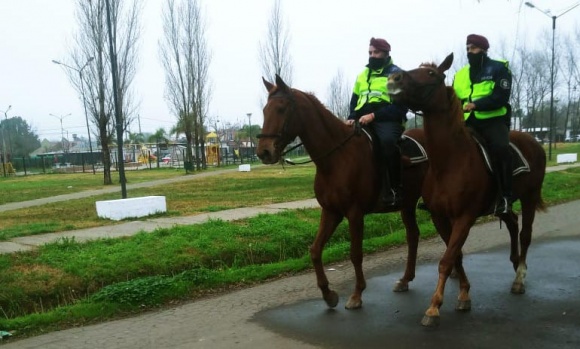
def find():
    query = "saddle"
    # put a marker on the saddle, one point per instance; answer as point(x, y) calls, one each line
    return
point(409, 147)
point(519, 162)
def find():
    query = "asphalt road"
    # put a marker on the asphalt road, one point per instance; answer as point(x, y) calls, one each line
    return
point(289, 313)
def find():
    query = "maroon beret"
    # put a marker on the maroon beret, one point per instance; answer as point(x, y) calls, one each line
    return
point(477, 40)
point(381, 44)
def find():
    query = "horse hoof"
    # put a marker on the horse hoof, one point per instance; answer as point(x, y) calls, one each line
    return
point(401, 286)
point(353, 303)
point(430, 321)
point(518, 288)
point(331, 299)
point(463, 305)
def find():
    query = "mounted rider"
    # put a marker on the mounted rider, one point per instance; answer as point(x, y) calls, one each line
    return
point(371, 105)
point(484, 87)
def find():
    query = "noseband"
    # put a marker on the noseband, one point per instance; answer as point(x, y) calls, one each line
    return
point(428, 89)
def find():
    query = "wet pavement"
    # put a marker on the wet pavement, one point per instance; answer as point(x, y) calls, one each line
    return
point(546, 316)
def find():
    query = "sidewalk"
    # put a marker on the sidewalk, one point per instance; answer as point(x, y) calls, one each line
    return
point(131, 228)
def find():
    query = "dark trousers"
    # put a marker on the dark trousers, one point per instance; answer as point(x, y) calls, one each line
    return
point(389, 134)
point(495, 132)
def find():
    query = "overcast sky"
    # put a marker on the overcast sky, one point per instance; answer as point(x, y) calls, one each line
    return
point(326, 36)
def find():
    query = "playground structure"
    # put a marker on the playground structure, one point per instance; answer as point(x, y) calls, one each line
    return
point(146, 156)
point(212, 149)
point(8, 169)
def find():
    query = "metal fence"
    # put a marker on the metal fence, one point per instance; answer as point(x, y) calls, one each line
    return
point(85, 162)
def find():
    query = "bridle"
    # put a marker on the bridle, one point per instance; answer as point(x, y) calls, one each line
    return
point(426, 90)
point(356, 131)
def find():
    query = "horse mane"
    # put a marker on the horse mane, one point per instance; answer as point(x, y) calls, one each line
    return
point(316, 102)
point(428, 65)
point(454, 103)
point(456, 110)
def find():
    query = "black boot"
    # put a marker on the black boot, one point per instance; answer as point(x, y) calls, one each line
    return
point(504, 174)
point(394, 196)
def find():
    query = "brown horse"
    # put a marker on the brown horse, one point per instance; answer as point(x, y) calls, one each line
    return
point(458, 188)
point(347, 182)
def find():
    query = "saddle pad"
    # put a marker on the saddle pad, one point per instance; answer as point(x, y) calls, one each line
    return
point(412, 149)
point(519, 162)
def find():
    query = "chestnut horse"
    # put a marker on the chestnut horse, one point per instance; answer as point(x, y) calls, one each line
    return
point(458, 188)
point(347, 182)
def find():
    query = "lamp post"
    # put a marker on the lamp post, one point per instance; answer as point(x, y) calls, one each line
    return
point(61, 128)
point(551, 121)
point(250, 134)
point(80, 71)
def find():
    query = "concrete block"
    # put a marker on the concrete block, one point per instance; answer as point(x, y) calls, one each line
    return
point(564, 158)
point(244, 168)
point(131, 207)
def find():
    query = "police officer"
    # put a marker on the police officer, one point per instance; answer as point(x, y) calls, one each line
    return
point(371, 105)
point(484, 87)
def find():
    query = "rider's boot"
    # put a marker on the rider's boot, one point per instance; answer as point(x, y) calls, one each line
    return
point(504, 176)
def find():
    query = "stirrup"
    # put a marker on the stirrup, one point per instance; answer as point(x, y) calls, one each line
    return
point(503, 207)
point(393, 198)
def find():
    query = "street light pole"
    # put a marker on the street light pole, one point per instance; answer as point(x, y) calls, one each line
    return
point(250, 134)
point(551, 121)
point(61, 128)
point(80, 71)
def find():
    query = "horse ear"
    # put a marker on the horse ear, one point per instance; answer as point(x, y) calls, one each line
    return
point(446, 63)
point(281, 84)
point(269, 85)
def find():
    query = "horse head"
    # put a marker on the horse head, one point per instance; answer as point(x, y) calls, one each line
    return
point(277, 130)
point(422, 88)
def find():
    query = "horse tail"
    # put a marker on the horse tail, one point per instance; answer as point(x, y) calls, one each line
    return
point(541, 205)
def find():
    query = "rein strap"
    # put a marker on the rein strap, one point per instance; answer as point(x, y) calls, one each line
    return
point(357, 130)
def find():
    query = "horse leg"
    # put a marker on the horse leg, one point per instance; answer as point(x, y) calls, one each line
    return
point(463, 300)
point(355, 228)
point(328, 223)
point(511, 222)
point(454, 241)
point(409, 216)
point(528, 215)
point(445, 232)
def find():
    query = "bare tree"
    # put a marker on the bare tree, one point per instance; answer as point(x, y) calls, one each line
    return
point(537, 82)
point(569, 67)
point(339, 94)
point(185, 58)
point(518, 65)
point(91, 41)
point(274, 52)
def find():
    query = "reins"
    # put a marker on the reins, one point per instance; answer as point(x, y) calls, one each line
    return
point(356, 131)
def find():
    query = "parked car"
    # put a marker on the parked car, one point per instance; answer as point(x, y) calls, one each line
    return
point(166, 159)
point(572, 138)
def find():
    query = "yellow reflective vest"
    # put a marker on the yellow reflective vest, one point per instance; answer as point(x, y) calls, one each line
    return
point(373, 88)
point(470, 92)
